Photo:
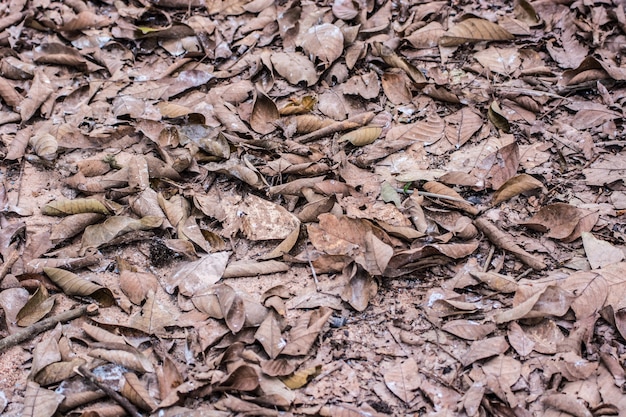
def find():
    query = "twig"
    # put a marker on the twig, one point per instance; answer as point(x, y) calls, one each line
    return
point(8, 264)
point(431, 195)
point(308, 258)
point(492, 249)
point(351, 123)
point(46, 324)
point(114, 395)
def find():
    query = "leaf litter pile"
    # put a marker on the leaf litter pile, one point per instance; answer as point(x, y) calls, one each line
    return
point(348, 208)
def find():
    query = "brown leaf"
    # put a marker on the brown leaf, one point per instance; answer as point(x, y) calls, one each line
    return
point(560, 220)
point(299, 106)
point(474, 30)
point(40, 402)
point(404, 380)
point(323, 41)
point(58, 371)
point(356, 238)
point(101, 234)
point(516, 185)
point(519, 341)
point(305, 332)
point(123, 355)
point(428, 131)
point(72, 284)
point(72, 225)
point(100, 335)
point(154, 317)
point(137, 285)
point(486, 348)
point(302, 377)
point(568, 403)
point(135, 391)
point(469, 329)
point(396, 87)
point(497, 118)
point(360, 289)
point(295, 68)
point(264, 114)
point(37, 307)
point(244, 378)
point(40, 90)
point(269, 335)
point(455, 199)
point(591, 289)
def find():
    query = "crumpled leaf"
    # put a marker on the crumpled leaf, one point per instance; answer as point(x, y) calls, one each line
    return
point(37, 307)
point(264, 114)
point(362, 136)
point(136, 392)
point(72, 284)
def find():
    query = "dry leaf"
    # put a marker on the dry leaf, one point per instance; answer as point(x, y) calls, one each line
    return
point(301, 378)
point(404, 380)
point(122, 354)
point(37, 307)
point(72, 284)
point(197, 277)
point(362, 136)
point(324, 42)
point(295, 67)
point(101, 234)
point(79, 205)
point(516, 185)
point(40, 402)
point(134, 390)
point(264, 114)
point(600, 253)
point(44, 145)
point(474, 30)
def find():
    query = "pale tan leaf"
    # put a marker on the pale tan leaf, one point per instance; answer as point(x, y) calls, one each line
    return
point(506, 369)
point(40, 402)
point(499, 60)
point(519, 341)
point(122, 354)
point(154, 317)
point(469, 329)
point(396, 87)
point(58, 371)
point(323, 41)
point(137, 285)
point(486, 348)
point(44, 145)
point(591, 289)
point(495, 281)
point(600, 253)
point(232, 306)
point(426, 37)
point(404, 380)
point(304, 334)
point(474, 30)
point(428, 131)
point(100, 335)
point(38, 93)
point(359, 290)
point(461, 126)
point(196, 277)
point(101, 234)
point(245, 268)
point(177, 208)
point(295, 68)
point(455, 199)
point(72, 225)
point(72, 284)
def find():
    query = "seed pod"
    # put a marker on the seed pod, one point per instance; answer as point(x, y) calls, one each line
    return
point(45, 146)
point(363, 136)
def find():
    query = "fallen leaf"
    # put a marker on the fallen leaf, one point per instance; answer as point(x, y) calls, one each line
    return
point(404, 380)
point(474, 30)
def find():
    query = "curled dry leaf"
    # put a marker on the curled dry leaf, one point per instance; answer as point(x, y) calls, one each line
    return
point(72, 284)
point(362, 136)
point(474, 30)
point(302, 377)
point(100, 335)
point(122, 354)
point(394, 60)
point(519, 184)
point(177, 208)
point(37, 307)
point(303, 335)
point(269, 335)
point(79, 205)
point(264, 114)
point(101, 234)
point(455, 200)
point(209, 140)
point(44, 145)
point(298, 106)
point(137, 393)
point(497, 118)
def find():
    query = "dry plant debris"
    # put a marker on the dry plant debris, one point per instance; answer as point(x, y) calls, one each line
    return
point(297, 208)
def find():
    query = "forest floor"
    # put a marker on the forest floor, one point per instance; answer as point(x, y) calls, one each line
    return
point(297, 208)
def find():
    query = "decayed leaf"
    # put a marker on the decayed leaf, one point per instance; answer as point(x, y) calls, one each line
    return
point(517, 185)
point(79, 205)
point(264, 114)
point(298, 106)
point(122, 354)
point(404, 380)
point(474, 30)
point(37, 307)
point(362, 136)
point(72, 284)
point(264, 220)
point(40, 402)
point(600, 253)
point(101, 234)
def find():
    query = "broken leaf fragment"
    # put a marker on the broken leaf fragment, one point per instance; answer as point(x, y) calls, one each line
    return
point(72, 284)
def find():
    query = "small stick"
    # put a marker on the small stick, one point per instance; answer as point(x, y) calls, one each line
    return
point(432, 195)
point(308, 258)
point(114, 395)
point(492, 249)
point(351, 123)
point(46, 324)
